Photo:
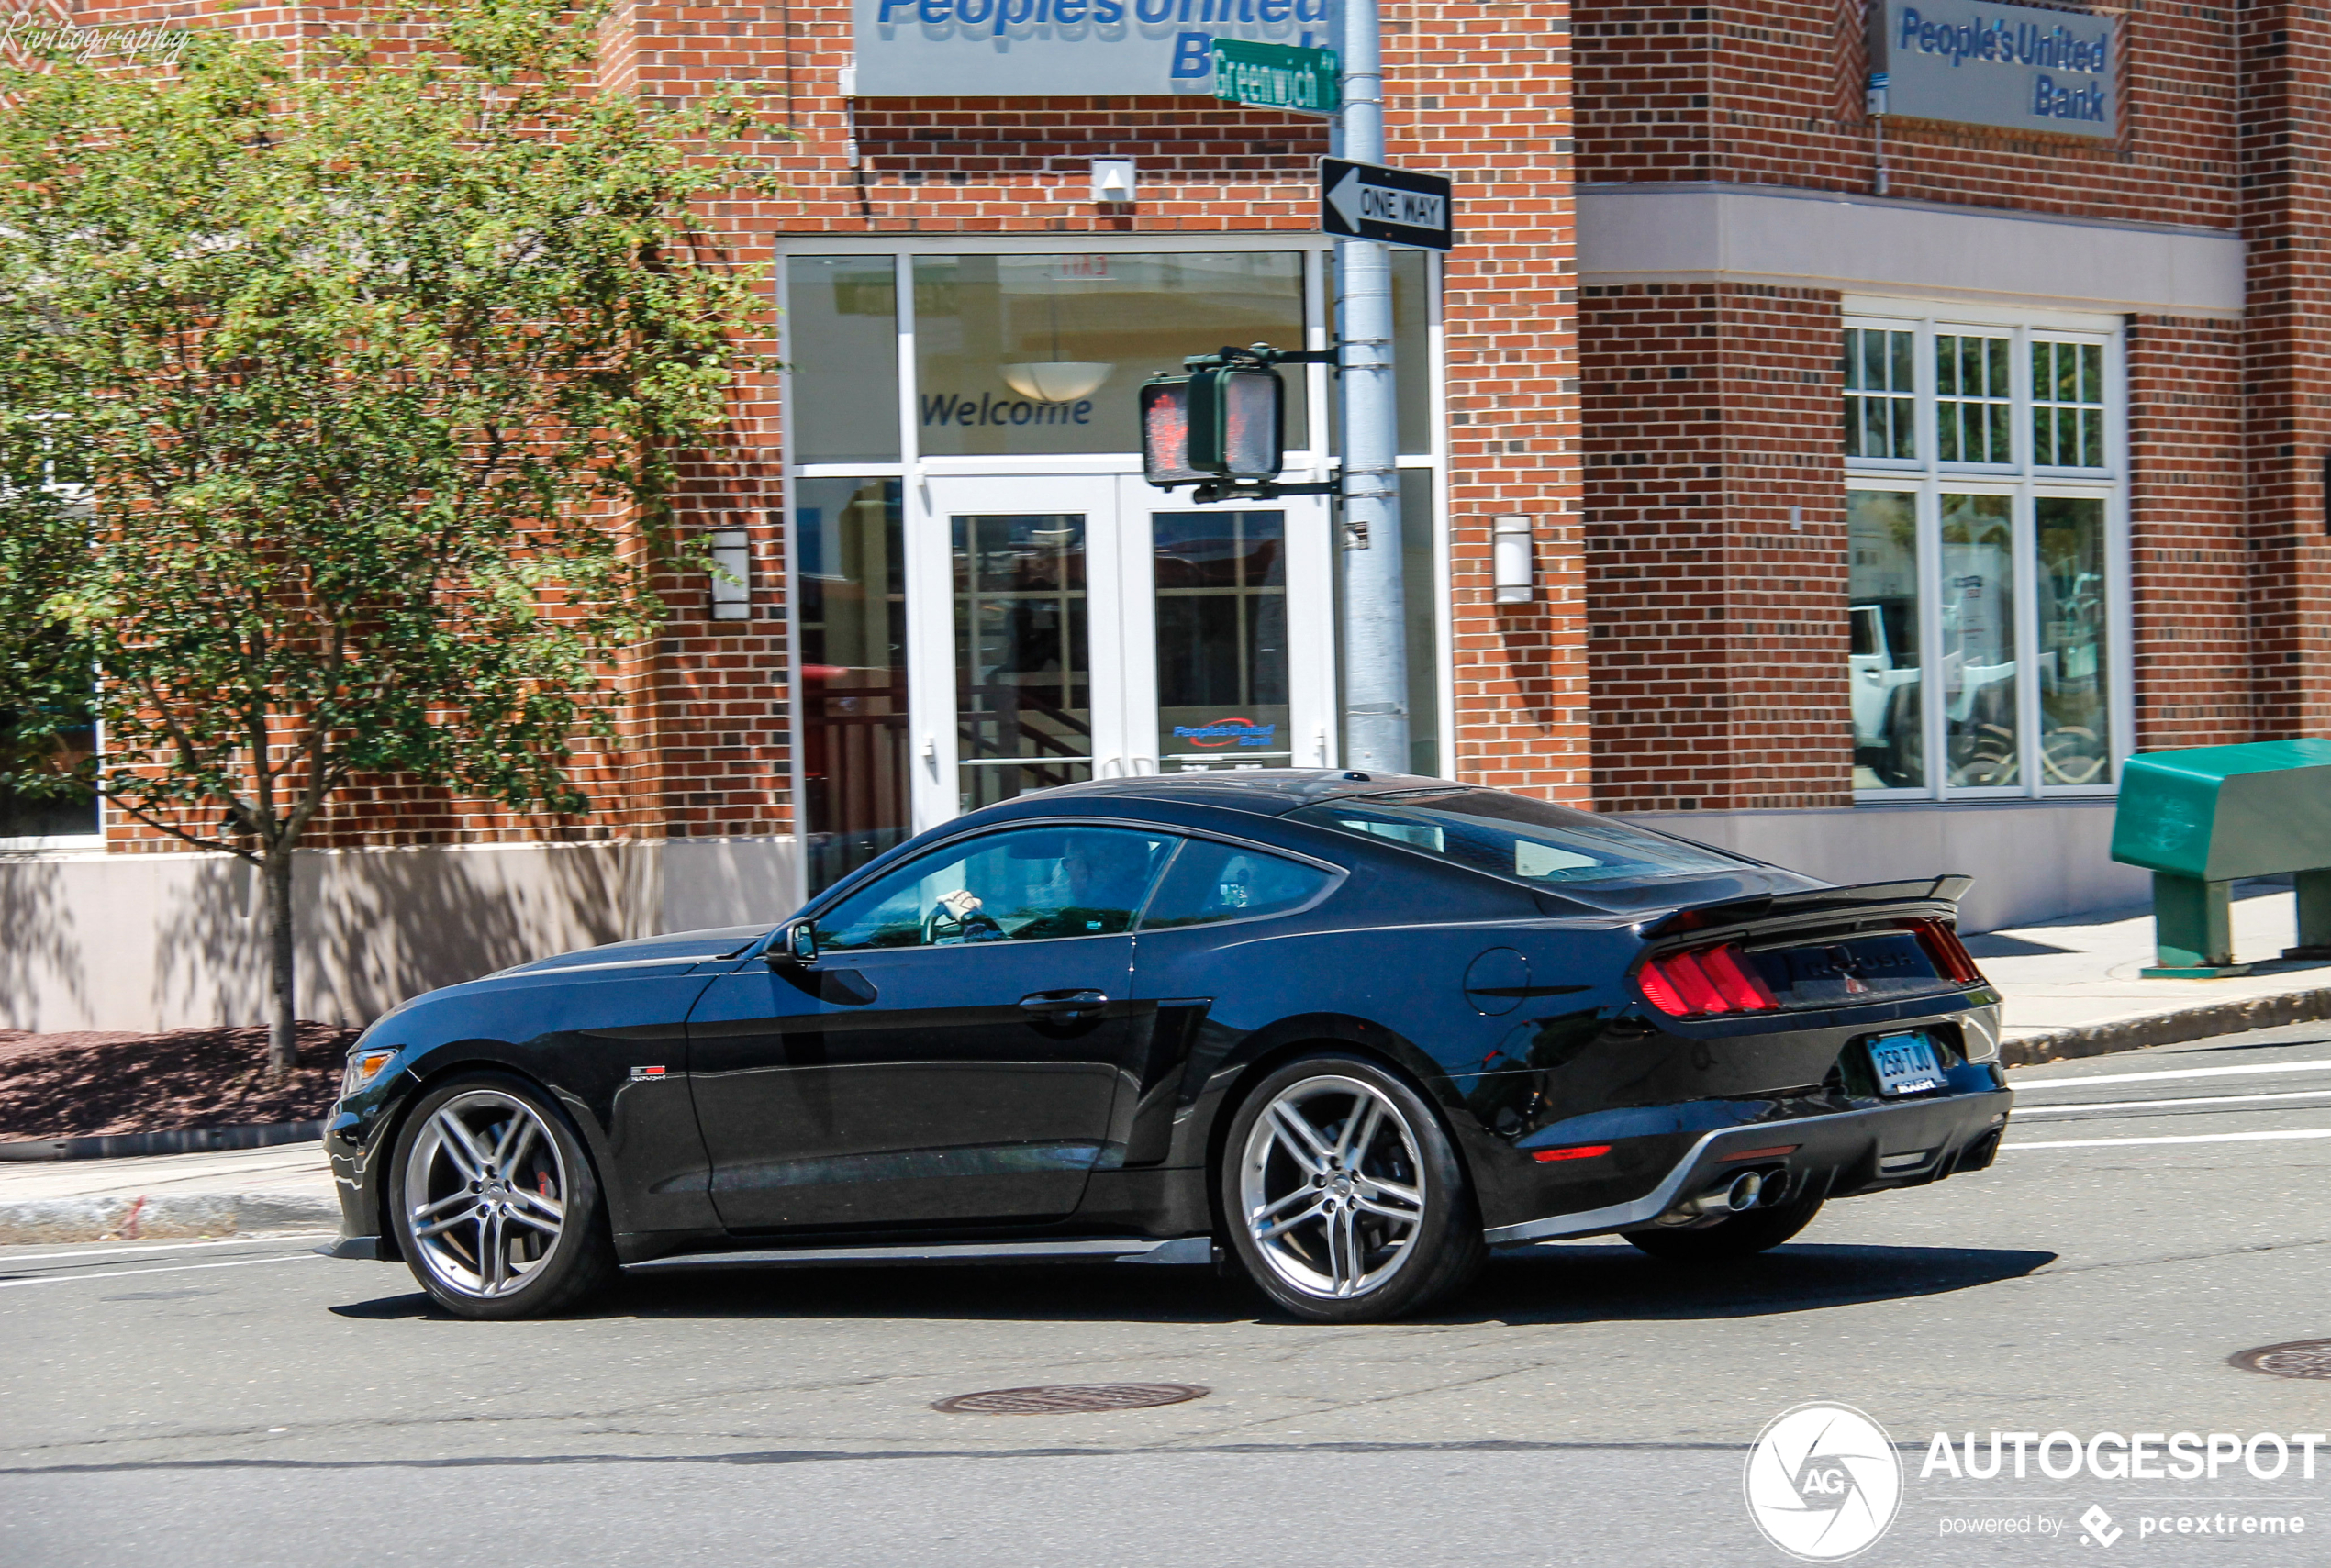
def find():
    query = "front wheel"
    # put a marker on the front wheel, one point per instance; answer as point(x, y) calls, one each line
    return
point(1346, 1200)
point(1742, 1236)
point(496, 1208)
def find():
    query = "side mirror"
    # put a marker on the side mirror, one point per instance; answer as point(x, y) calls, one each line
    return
point(797, 943)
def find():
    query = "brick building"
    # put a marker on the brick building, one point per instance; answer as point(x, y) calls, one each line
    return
point(1898, 462)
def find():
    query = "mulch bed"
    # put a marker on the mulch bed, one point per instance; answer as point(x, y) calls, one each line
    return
point(78, 1085)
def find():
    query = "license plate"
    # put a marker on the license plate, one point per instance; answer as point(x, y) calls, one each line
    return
point(1905, 1064)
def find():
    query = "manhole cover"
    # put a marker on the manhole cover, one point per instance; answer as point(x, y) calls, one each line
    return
point(2300, 1358)
point(1067, 1398)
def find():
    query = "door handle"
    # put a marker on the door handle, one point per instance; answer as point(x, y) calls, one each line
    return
point(1064, 1004)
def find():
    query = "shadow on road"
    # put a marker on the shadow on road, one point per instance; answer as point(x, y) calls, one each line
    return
point(1581, 1284)
point(1589, 1284)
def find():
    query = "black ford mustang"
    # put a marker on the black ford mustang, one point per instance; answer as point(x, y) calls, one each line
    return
point(1356, 1029)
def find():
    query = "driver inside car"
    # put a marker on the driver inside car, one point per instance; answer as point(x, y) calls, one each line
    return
point(1100, 884)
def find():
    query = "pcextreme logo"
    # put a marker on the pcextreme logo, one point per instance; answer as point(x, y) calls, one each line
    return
point(1823, 1482)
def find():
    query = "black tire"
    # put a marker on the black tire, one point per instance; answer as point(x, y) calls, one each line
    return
point(521, 1237)
point(1742, 1236)
point(1391, 1223)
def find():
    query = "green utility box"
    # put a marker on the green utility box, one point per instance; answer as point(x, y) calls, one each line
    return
point(2200, 820)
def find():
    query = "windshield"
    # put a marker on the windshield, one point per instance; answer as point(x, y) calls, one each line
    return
point(1512, 836)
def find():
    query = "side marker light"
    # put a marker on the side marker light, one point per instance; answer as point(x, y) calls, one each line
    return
point(1583, 1151)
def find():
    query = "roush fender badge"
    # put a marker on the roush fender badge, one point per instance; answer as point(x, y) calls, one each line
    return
point(639, 1073)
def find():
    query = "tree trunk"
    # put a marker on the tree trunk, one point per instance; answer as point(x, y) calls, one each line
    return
point(283, 1047)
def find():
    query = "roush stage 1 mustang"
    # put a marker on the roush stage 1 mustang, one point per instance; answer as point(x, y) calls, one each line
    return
point(1356, 1031)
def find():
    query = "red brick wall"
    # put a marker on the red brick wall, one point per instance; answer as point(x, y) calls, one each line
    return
point(1717, 633)
point(1482, 91)
point(2287, 219)
point(2187, 548)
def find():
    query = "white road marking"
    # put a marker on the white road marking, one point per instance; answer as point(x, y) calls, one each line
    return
point(2025, 1112)
point(172, 1269)
point(2021, 1084)
point(2189, 1137)
point(159, 1248)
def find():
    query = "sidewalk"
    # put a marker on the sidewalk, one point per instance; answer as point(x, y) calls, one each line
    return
point(2072, 988)
point(235, 1192)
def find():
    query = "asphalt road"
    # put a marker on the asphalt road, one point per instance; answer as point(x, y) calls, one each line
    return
point(252, 1404)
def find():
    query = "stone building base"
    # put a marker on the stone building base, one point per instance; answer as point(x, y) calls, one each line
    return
point(157, 941)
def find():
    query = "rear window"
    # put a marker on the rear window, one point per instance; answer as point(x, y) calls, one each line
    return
point(1212, 882)
point(1512, 836)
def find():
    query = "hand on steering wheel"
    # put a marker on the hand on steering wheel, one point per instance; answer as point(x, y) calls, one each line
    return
point(957, 918)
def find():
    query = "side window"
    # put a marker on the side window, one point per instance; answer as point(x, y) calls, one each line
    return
point(1024, 885)
point(1223, 881)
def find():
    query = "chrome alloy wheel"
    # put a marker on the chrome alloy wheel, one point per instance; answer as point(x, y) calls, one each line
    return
point(1332, 1186)
point(486, 1193)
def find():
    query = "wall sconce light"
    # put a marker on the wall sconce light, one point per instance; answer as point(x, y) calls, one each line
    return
point(1513, 560)
point(732, 585)
point(1112, 179)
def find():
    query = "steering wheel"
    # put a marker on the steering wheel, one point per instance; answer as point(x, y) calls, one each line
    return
point(943, 925)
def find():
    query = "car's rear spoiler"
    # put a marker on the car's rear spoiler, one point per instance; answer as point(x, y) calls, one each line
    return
point(1940, 893)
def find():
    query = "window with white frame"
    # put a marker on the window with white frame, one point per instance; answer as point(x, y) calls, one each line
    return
point(1987, 555)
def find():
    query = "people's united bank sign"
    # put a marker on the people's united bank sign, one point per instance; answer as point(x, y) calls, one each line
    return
point(1050, 48)
point(2019, 66)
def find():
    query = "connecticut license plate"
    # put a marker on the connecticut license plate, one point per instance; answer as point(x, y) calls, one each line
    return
point(1905, 1064)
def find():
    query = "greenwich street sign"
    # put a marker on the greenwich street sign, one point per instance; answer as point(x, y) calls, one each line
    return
point(1367, 201)
point(1980, 64)
point(1273, 76)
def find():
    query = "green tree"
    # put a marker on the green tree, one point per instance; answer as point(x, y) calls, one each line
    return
point(382, 363)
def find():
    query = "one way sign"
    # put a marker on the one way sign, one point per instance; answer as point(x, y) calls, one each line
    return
point(1364, 201)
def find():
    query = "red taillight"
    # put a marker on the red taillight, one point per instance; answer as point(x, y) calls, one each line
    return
point(1659, 993)
point(1950, 955)
point(1699, 993)
point(1740, 984)
point(1704, 982)
point(1583, 1151)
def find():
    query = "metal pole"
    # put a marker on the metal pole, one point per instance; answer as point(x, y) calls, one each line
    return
point(1376, 677)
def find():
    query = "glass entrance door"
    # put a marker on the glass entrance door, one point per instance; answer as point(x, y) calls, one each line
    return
point(1023, 656)
point(1071, 628)
point(1223, 686)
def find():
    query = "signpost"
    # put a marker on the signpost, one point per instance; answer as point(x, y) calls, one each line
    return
point(1366, 201)
point(1277, 76)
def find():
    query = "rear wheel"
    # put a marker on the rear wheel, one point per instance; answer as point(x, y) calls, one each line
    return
point(496, 1208)
point(1347, 1201)
point(1742, 1236)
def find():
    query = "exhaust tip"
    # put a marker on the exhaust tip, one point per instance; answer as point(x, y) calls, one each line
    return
point(1746, 1189)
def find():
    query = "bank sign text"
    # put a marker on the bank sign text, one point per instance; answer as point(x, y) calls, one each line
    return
point(1049, 49)
point(2015, 66)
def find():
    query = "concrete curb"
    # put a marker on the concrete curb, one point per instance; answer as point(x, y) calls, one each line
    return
point(182, 1140)
point(145, 1218)
point(2164, 1028)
